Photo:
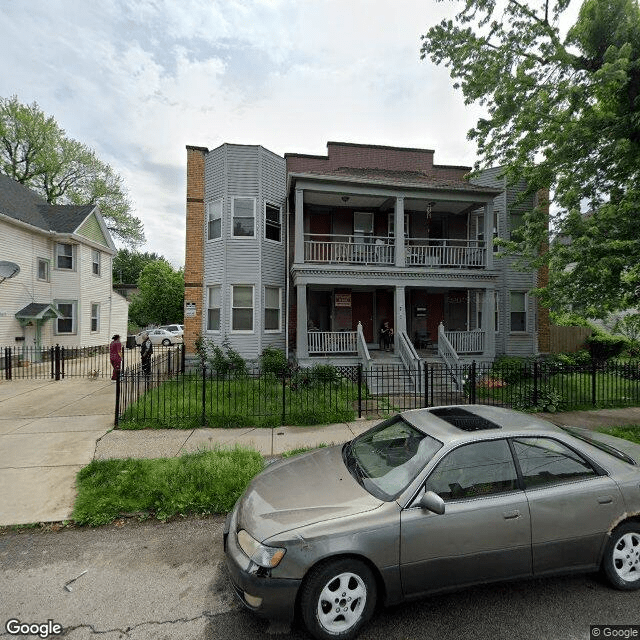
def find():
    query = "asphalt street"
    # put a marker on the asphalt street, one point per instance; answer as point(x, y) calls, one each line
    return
point(166, 581)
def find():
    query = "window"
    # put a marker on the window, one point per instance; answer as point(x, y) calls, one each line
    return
point(474, 470)
point(43, 269)
point(544, 461)
point(213, 308)
point(391, 225)
point(214, 220)
point(95, 262)
point(271, 309)
point(362, 226)
point(95, 317)
point(516, 220)
point(64, 256)
point(518, 308)
point(67, 323)
point(243, 217)
point(242, 308)
point(272, 223)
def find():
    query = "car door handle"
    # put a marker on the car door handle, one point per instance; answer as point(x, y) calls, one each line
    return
point(510, 515)
point(605, 499)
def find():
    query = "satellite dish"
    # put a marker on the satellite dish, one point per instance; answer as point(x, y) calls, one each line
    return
point(8, 270)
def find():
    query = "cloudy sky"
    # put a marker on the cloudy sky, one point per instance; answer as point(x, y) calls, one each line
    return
point(138, 80)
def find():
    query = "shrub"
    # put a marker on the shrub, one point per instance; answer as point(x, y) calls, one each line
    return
point(273, 361)
point(324, 373)
point(511, 370)
point(603, 346)
point(548, 399)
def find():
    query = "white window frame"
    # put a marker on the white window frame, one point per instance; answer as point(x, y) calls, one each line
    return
point(74, 318)
point(526, 314)
point(95, 317)
point(211, 216)
point(266, 224)
point(209, 307)
point(96, 263)
point(72, 256)
point(47, 269)
point(391, 225)
point(253, 308)
point(279, 329)
point(233, 217)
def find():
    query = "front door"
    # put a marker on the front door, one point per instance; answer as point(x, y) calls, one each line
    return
point(362, 311)
point(435, 314)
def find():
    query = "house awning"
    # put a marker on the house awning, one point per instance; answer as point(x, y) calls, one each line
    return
point(38, 311)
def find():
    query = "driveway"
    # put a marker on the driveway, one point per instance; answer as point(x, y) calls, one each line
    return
point(48, 432)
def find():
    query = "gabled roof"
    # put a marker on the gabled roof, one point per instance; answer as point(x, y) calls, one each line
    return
point(38, 310)
point(24, 205)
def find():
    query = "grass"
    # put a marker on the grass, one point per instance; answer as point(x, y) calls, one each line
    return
point(241, 402)
point(204, 482)
point(299, 450)
point(628, 432)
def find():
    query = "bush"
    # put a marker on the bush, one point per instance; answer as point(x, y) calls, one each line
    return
point(273, 361)
point(548, 399)
point(511, 369)
point(324, 373)
point(603, 346)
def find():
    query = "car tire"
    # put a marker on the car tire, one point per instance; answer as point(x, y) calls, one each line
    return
point(337, 598)
point(621, 561)
point(166, 342)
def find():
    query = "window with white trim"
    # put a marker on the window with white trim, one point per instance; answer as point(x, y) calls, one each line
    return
point(95, 262)
point(272, 305)
point(95, 317)
point(244, 217)
point(66, 323)
point(43, 269)
point(242, 308)
point(214, 299)
point(65, 256)
point(272, 222)
point(496, 306)
point(214, 219)
point(518, 310)
point(391, 225)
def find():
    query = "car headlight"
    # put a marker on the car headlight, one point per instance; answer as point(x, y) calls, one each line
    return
point(263, 556)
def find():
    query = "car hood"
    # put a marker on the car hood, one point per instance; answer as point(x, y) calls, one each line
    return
point(300, 491)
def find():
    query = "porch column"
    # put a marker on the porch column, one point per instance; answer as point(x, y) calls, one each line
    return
point(298, 231)
point(400, 324)
point(399, 232)
point(488, 233)
point(302, 347)
point(489, 324)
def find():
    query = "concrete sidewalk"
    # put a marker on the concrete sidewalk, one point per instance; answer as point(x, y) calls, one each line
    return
point(50, 430)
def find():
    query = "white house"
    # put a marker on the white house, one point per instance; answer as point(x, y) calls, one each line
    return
point(63, 293)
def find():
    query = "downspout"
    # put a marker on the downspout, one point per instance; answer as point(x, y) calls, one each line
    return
point(287, 279)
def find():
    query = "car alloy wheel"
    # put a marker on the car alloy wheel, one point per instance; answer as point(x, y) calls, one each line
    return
point(338, 598)
point(166, 342)
point(621, 561)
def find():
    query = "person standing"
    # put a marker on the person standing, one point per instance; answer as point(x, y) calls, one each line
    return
point(146, 351)
point(115, 356)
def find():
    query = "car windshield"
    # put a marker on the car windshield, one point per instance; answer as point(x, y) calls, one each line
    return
point(385, 459)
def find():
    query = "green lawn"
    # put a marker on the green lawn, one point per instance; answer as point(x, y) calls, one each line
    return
point(242, 402)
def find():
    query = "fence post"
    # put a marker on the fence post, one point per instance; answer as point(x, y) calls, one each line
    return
point(284, 402)
point(204, 394)
point(117, 416)
point(182, 359)
point(57, 362)
point(62, 356)
point(593, 383)
point(8, 363)
point(472, 382)
point(426, 384)
point(360, 390)
point(535, 382)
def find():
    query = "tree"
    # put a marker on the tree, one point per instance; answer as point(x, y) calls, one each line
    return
point(36, 152)
point(561, 113)
point(128, 265)
point(161, 297)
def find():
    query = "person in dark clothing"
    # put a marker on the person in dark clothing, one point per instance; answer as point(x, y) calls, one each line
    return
point(146, 351)
point(115, 356)
point(386, 336)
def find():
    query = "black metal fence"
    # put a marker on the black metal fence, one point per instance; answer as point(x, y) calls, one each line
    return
point(57, 363)
point(206, 397)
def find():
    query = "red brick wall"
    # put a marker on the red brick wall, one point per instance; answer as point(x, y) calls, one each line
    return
point(194, 257)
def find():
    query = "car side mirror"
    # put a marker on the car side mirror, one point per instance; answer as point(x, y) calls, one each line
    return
point(432, 502)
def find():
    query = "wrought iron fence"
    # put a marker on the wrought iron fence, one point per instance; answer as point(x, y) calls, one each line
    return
point(57, 363)
point(250, 397)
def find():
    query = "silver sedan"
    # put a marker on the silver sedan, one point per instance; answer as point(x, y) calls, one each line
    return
point(429, 501)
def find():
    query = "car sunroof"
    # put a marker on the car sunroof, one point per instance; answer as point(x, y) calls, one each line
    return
point(463, 419)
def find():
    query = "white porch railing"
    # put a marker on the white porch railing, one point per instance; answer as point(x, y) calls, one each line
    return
point(331, 342)
point(444, 253)
point(466, 341)
point(363, 350)
point(349, 249)
point(408, 355)
point(448, 354)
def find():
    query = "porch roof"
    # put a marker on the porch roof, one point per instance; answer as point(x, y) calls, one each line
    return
point(37, 311)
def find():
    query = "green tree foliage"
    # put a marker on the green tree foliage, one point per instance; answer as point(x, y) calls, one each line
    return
point(562, 112)
point(36, 152)
point(128, 265)
point(161, 296)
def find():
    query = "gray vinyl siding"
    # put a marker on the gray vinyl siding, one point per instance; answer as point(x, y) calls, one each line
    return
point(245, 171)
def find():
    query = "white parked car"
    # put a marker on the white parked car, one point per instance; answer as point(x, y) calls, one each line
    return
point(176, 329)
point(160, 336)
